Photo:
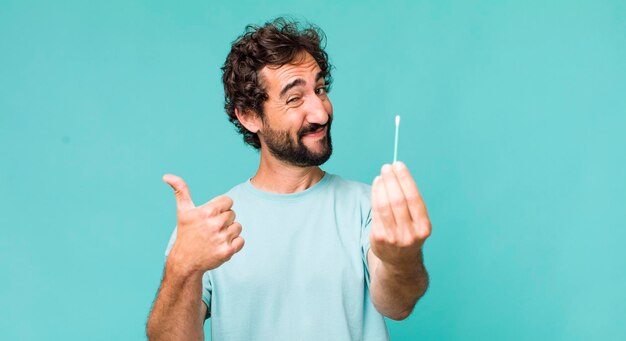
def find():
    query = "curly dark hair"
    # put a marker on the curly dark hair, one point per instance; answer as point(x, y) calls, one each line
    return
point(276, 43)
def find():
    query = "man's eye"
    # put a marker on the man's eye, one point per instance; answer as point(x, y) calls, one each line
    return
point(293, 99)
point(321, 90)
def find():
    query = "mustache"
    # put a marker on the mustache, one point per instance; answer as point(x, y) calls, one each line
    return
point(314, 127)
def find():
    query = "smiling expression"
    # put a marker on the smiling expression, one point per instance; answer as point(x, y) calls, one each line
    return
point(295, 127)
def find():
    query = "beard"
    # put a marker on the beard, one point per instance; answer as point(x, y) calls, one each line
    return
point(283, 147)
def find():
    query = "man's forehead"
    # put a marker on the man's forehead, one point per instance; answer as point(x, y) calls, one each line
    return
point(303, 66)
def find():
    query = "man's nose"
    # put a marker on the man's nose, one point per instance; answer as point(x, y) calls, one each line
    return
point(317, 111)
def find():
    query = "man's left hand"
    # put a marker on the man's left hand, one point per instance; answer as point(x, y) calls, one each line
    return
point(400, 222)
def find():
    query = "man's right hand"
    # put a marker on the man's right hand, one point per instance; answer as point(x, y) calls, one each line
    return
point(207, 235)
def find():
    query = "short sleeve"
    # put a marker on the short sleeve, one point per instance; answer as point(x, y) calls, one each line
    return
point(366, 220)
point(170, 243)
point(207, 287)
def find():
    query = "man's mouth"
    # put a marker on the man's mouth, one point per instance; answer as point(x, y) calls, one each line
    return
point(321, 131)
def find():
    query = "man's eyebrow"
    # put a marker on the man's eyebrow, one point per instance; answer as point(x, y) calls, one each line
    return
point(295, 83)
point(319, 76)
point(298, 82)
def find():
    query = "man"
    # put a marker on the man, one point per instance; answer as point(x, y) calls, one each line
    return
point(320, 262)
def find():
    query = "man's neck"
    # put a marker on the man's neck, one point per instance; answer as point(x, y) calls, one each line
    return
point(277, 176)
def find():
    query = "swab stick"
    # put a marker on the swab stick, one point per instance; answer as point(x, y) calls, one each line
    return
point(395, 145)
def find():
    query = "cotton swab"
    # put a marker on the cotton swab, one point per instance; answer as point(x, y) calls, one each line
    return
point(395, 146)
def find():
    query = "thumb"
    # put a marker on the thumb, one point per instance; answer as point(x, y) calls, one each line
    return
point(181, 191)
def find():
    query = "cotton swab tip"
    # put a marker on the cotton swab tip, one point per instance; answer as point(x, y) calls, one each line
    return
point(397, 120)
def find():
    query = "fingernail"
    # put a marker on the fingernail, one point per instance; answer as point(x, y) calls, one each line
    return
point(398, 165)
point(386, 168)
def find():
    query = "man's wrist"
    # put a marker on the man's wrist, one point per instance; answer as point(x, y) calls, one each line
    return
point(176, 267)
point(407, 268)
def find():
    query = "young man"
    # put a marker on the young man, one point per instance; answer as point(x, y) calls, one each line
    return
point(324, 258)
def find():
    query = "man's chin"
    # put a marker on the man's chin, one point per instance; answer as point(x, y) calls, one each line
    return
point(319, 152)
point(320, 156)
point(316, 146)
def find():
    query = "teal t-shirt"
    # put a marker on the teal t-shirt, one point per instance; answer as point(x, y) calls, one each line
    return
point(302, 274)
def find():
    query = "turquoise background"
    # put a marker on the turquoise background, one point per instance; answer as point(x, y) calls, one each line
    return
point(513, 124)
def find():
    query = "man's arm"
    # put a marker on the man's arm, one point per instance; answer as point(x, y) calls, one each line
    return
point(400, 225)
point(178, 311)
point(206, 237)
point(395, 291)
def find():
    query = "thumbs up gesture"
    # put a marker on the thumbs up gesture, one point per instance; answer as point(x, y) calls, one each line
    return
point(207, 235)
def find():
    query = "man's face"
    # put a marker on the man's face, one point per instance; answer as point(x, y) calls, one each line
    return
point(297, 114)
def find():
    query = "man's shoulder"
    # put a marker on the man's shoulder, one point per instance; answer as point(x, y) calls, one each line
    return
point(351, 192)
point(349, 185)
point(236, 190)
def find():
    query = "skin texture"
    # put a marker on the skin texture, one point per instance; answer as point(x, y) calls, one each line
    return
point(400, 225)
point(208, 235)
point(301, 106)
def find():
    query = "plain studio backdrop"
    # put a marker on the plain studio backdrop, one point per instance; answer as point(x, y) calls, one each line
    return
point(513, 125)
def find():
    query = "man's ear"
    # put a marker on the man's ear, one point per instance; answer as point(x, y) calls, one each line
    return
point(249, 119)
